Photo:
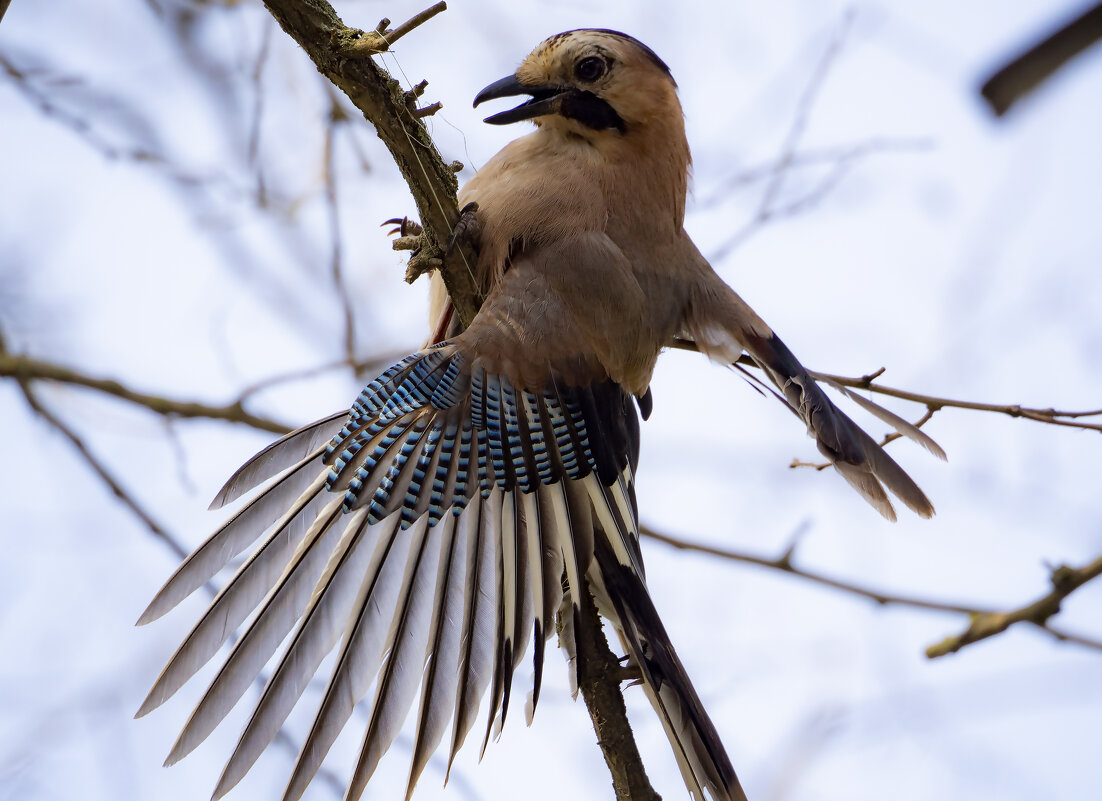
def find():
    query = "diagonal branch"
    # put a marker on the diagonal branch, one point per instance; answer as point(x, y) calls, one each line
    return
point(986, 622)
point(1065, 580)
point(1035, 66)
point(785, 564)
point(319, 31)
point(100, 469)
point(26, 369)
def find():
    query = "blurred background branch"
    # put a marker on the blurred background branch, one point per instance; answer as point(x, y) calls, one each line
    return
point(1026, 72)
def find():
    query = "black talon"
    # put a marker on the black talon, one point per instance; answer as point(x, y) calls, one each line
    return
point(465, 225)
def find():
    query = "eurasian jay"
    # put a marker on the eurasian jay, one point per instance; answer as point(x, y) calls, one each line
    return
point(480, 484)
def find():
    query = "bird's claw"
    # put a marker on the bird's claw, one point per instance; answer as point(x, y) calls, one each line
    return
point(406, 227)
point(629, 671)
point(466, 227)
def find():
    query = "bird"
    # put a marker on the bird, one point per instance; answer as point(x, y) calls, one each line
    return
point(482, 485)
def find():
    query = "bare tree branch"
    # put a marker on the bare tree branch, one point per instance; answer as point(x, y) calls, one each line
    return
point(1037, 64)
point(380, 39)
point(337, 119)
point(599, 677)
point(933, 403)
point(1065, 580)
point(785, 564)
point(317, 28)
point(101, 470)
point(768, 208)
point(372, 365)
point(824, 157)
point(25, 369)
point(986, 622)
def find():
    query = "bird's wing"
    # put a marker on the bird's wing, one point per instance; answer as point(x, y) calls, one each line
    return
point(430, 535)
point(724, 326)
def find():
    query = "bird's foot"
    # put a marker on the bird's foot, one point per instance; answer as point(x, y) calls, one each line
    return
point(629, 671)
point(408, 232)
point(466, 228)
point(410, 236)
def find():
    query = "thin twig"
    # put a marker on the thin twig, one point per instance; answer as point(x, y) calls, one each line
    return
point(812, 158)
point(986, 622)
point(767, 207)
point(803, 114)
point(784, 563)
point(100, 469)
point(1065, 580)
point(337, 118)
point(1056, 417)
point(379, 41)
point(359, 367)
point(50, 104)
point(933, 403)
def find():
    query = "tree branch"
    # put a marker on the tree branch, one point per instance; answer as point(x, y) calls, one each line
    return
point(785, 564)
point(25, 369)
point(599, 676)
point(101, 470)
point(1065, 580)
point(985, 622)
point(1040, 62)
point(392, 111)
point(933, 403)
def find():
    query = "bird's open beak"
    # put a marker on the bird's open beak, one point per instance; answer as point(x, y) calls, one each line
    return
point(545, 100)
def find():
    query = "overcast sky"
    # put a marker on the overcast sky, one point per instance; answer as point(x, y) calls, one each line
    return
point(960, 252)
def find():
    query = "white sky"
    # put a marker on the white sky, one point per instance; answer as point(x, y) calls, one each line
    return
point(965, 260)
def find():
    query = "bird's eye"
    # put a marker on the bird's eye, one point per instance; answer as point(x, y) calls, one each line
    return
point(590, 69)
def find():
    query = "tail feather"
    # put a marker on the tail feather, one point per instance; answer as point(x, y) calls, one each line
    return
point(700, 754)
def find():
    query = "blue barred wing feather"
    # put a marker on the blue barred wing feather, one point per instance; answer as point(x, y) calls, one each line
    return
point(427, 542)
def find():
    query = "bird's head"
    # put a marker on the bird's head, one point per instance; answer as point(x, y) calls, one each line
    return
point(588, 81)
